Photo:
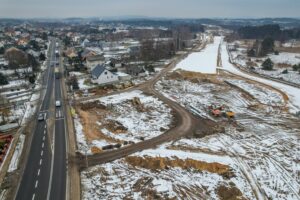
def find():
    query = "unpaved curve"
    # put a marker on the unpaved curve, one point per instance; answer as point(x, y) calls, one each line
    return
point(185, 124)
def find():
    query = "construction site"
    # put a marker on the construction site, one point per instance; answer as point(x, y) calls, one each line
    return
point(114, 121)
point(231, 159)
point(186, 134)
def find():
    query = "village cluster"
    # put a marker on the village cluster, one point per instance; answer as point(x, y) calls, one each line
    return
point(158, 110)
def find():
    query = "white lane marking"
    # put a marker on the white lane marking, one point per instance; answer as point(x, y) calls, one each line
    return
point(41, 160)
point(33, 196)
point(62, 118)
point(43, 138)
point(39, 172)
point(52, 163)
point(43, 144)
point(45, 126)
point(42, 153)
point(44, 131)
point(36, 183)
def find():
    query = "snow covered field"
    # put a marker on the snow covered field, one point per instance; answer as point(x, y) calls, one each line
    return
point(83, 86)
point(198, 97)
point(264, 95)
point(265, 150)
point(282, 61)
point(125, 121)
point(293, 93)
point(258, 149)
point(159, 173)
point(265, 154)
point(17, 153)
point(261, 151)
point(286, 58)
point(204, 61)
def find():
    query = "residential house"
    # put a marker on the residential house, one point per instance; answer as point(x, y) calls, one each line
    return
point(100, 75)
point(85, 43)
point(135, 70)
point(70, 53)
point(23, 41)
point(88, 53)
point(93, 61)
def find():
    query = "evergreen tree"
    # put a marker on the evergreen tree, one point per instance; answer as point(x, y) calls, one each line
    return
point(32, 79)
point(296, 67)
point(267, 64)
point(2, 50)
point(3, 79)
point(33, 63)
point(251, 53)
point(267, 46)
point(42, 57)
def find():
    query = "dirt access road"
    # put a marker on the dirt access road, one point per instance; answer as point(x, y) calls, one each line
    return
point(185, 122)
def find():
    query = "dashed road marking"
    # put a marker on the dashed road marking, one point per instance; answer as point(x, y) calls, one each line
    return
point(43, 138)
point(41, 161)
point(44, 131)
point(43, 144)
point(33, 196)
point(57, 119)
point(39, 172)
point(36, 183)
point(42, 152)
point(45, 126)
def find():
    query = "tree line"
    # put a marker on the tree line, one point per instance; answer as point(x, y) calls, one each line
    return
point(273, 31)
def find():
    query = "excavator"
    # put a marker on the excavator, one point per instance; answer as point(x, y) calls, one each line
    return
point(221, 110)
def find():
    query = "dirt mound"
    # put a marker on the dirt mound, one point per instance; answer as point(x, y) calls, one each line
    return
point(136, 102)
point(206, 127)
point(176, 75)
point(194, 77)
point(230, 193)
point(91, 129)
point(196, 150)
point(159, 163)
point(115, 126)
point(96, 150)
point(92, 105)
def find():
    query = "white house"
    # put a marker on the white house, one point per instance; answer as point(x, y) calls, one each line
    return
point(101, 75)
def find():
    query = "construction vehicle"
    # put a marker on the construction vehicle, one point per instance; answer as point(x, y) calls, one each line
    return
point(216, 112)
point(221, 110)
point(229, 114)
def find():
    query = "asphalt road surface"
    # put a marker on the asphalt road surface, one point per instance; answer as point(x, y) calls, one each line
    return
point(58, 186)
point(44, 175)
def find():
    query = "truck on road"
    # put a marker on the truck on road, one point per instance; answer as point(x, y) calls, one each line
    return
point(57, 73)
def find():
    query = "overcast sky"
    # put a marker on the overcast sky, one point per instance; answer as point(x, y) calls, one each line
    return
point(150, 8)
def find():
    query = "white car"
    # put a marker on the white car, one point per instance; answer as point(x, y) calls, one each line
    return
point(42, 116)
point(57, 103)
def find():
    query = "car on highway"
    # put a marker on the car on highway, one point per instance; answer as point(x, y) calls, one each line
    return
point(42, 116)
point(57, 103)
